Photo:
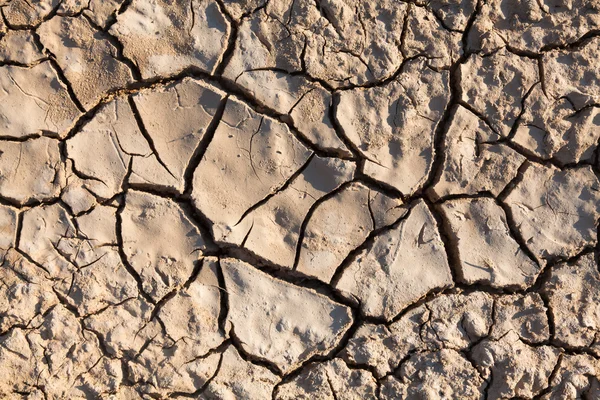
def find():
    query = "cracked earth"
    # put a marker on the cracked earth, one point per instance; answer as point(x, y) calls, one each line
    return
point(299, 199)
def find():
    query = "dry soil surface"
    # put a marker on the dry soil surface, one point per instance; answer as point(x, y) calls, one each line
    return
point(299, 199)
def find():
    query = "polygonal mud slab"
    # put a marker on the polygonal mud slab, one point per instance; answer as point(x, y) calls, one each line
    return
point(91, 62)
point(176, 119)
point(340, 224)
point(495, 87)
point(238, 378)
point(272, 230)
point(530, 27)
point(401, 266)
point(31, 171)
point(452, 321)
point(20, 47)
point(571, 292)
point(487, 252)
point(160, 242)
point(473, 162)
point(192, 314)
point(250, 157)
point(279, 313)
point(38, 91)
point(394, 125)
point(518, 369)
point(165, 37)
point(22, 13)
point(102, 150)
point(556, 211)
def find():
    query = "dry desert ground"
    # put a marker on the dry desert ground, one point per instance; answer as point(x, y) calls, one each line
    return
point(299, 199)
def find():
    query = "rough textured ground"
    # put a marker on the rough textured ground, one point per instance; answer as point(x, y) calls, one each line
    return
point(299, 199)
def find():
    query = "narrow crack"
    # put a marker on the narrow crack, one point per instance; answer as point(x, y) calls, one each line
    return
point(231, 43)
point(224, 300)
point(63, 79)
point(450, 243)
point(207, 137)
point(366, 244)
point(309, 215)
point(194, 395)
point(250, 358)
point(124, 260)
point(276, 191)
point(116, 43)
point(146, 134)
